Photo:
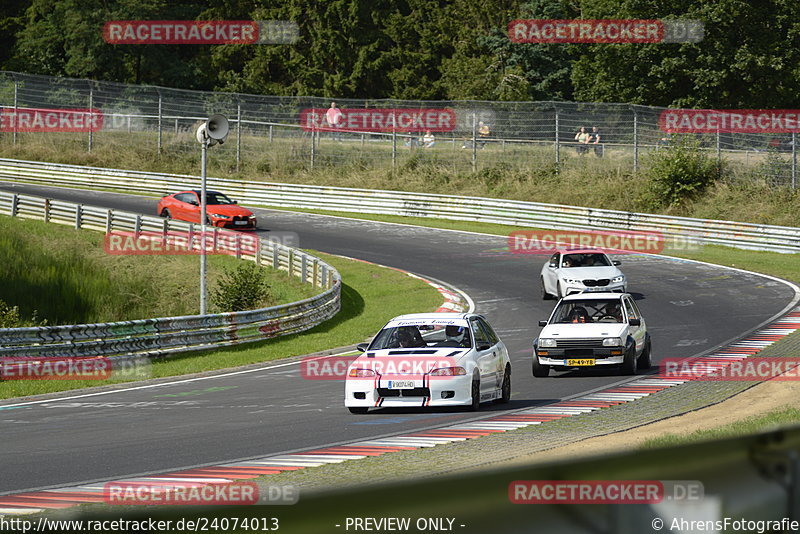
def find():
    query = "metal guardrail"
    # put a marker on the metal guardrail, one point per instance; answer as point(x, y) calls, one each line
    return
point(168, 335)
point(478, 209)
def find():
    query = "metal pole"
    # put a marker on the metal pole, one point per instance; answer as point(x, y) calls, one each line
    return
point(203, 265)
point(313, 147)
point(394, 147)
point(91, 117)
point(16, 116)
point(159, 123)
point(794, 160)
point(719, 151)
point(635, 141)
point(474, 143)
point(238, 135)
point(558, 142)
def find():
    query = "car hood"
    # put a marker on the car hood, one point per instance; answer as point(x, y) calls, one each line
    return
point(584, 330)
point(589, 272)
point(229, 209)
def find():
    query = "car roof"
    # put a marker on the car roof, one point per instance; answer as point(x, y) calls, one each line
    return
point(581, 251)
point(595, 296)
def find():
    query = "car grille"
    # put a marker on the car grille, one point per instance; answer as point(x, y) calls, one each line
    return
point(579, 343)
point(597, 283)
point(416, 392)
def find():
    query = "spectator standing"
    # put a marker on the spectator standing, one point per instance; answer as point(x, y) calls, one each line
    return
point(595, 140)
point(483, 133)
point(334, 117)
point(582, 137)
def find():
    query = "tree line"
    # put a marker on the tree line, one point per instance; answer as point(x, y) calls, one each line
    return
point(426, 49)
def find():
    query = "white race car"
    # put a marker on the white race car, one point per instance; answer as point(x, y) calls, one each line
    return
point(430, 359)
point(593, 329)
point(576, 271)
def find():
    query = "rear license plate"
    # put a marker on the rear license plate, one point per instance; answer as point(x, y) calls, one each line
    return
point(401, 384)
point(581, 362)
point(240, 223)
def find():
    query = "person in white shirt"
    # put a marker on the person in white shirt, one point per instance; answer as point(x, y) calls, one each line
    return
point(428, 140)
point(334, 118)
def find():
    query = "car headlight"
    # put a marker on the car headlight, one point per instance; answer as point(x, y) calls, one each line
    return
point(251, 217)
point(547, 343)
point(218, 215)
point(617, 279)
point(572, 281)
point(612, 342)
point(361, 373)
point(449, 371)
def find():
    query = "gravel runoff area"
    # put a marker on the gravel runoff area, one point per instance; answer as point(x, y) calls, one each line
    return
point(706, 404)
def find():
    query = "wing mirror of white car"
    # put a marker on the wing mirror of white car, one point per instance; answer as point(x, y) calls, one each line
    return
point(542, 323)
point(633, 321)
point(616, 262)
point(362, 347)
point(552, 265)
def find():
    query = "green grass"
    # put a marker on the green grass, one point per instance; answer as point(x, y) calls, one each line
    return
point(518, 172)
point(751, 425)
point(371, 295)
point(64, 276)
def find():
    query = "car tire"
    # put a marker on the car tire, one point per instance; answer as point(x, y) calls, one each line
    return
point(166, 214)
point(629, 364)
point(475, 393)
point(358, 409)
point(646, 357)
point(505, 388)
point(545, 294)
point(539, 370)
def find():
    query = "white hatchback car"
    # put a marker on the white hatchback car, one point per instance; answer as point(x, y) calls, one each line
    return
point(593, 329)
point(576, 271)
point(431, 359)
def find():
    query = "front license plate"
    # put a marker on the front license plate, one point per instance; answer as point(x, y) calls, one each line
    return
point(580, 362)
point(240, 223)
point(401, 384)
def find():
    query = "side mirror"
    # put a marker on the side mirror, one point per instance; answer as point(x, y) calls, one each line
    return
point(235, 201)
point(616, 262)
point(362, 347)
point(194, 203)
point(634, 321)
point(542, 323)
point(553, 265)
point(484, 345)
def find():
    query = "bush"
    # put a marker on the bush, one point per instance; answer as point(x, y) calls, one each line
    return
point(9, 316)
point(679, 173)
point(243, 288)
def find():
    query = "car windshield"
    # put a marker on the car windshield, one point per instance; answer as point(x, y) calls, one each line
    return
point(585, 260)
point(422, 336)
point(588, 311)
point(214, 198)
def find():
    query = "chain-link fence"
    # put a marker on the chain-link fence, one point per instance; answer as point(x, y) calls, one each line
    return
point(274, 134)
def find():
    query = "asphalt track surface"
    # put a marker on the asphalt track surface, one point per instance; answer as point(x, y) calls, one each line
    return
point(690, 308)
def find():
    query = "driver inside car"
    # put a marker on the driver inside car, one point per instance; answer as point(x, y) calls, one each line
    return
point(455, 336)
point(409, 337)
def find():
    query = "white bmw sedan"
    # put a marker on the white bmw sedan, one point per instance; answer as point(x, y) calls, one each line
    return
point(579, 271)
point(432, 359)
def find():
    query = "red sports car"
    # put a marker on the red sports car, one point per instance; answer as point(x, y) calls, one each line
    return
point(222, 211)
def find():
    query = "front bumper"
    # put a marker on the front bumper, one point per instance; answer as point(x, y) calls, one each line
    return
point(427, 391)
point(601, 356)
point(618, 287)
point(250, 224)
